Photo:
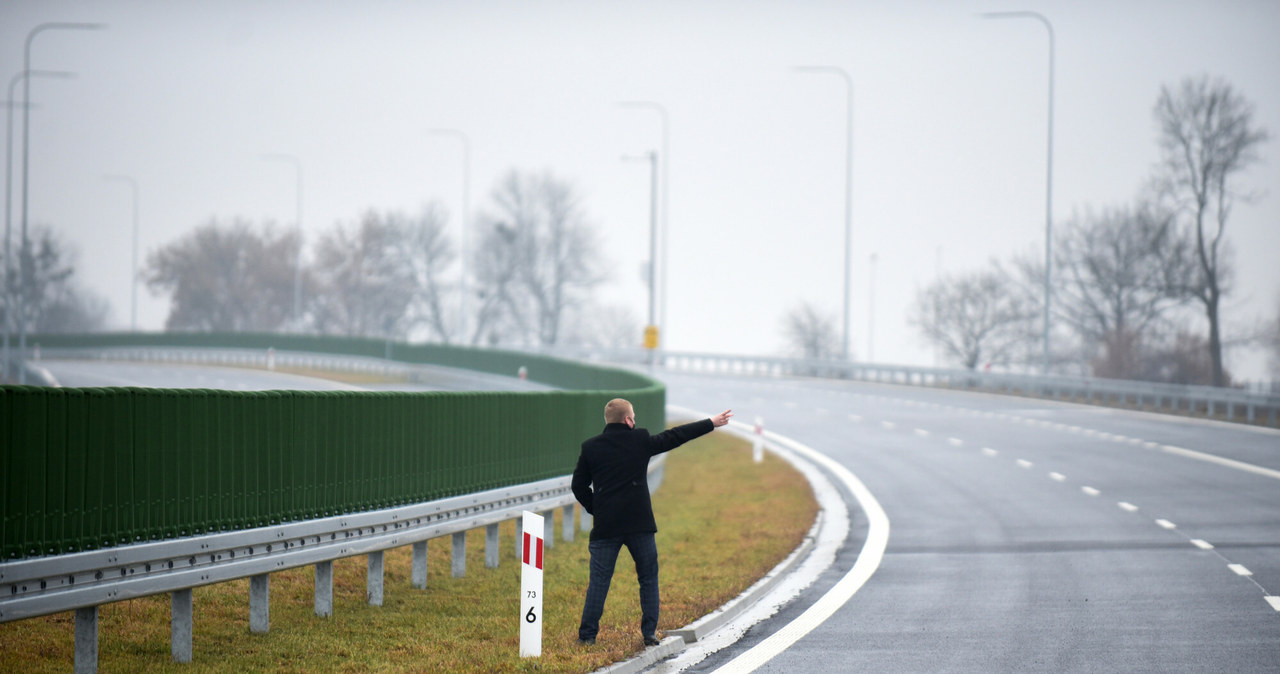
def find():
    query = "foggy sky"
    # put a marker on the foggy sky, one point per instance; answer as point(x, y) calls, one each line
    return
point(949, 134)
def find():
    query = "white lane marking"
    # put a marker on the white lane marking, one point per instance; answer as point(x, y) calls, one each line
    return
point(955, 442)
point(868, 561)
point(855, 418)
point(1057, 477)
point(1240, 569)
point(1274, 601)
point(1090, 491)
point(888, 425)
point(1125, 505)
point(1023, 463)
point(789, 405)
point(821, 410)
point(989, 452)
point(1166, 524)
point(1203, 545)
point(922, 432)
point(1221, 461)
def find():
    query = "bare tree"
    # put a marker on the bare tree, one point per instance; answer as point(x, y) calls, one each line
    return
point(232, 277)
point(975, 318)
point(51, 298)
point(1123, 270)
point(810, 333)
point(1207, 137)
point(364, 285)
point(428, 255)
point(539, 257)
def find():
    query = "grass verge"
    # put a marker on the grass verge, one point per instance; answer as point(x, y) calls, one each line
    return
point(723, 523)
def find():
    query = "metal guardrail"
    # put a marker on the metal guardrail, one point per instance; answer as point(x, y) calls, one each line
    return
point(44, 585)
point(1228, 404)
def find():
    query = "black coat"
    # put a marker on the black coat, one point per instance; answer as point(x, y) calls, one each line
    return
point(611, 482)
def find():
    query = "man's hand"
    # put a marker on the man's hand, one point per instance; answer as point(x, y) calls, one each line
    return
point(722, 418)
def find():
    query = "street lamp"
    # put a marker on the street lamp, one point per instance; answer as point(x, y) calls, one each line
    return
point(1048, 200)
point(10, 103)
point(651, 331)
point(666, 232)
point(871, 311)
point(464, 225)
point(848, 184)
point(297, 262)
point(133, 284)
point(24, 252)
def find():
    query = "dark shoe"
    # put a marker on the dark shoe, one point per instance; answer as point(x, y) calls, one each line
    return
point(587, 642)
point(651, 641)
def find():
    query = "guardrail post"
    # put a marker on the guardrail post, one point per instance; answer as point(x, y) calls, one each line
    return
point(373, 586)
point(519, 537)
point(566, 525)
point(418, 573)
point(324, 589)
point(459, 566)
point(87, 640)
point(259, 603)
point(585, 523)
point(491, 546)
point(180, 622)
point(549, 516)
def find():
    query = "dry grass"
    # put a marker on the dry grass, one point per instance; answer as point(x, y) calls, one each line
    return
point(723, 521)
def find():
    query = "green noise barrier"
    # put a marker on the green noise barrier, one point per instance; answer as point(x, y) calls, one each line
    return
point(98, 467)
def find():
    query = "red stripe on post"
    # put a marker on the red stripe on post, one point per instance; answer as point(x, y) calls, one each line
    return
point(539, 564)
point(526, 548)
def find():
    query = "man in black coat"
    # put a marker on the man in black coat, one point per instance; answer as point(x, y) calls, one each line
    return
point(611, 483)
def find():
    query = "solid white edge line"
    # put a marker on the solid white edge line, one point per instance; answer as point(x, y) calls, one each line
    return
point(1230, 463)
point(868, 562)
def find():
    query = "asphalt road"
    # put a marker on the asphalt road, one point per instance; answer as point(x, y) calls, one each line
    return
point(86, 373)
point(1027, 535)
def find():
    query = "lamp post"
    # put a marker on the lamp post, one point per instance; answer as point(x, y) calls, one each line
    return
point(848, 185)
point(297, 261)
point(464, 225)
point(1048, 200)
point(24, 253)
point(871, 311)
point(652, 158)
point(133, 282)
point(664, 218)
point(10, 103)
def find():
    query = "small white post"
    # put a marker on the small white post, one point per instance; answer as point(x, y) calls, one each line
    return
point(531, 587)
point(757, 445)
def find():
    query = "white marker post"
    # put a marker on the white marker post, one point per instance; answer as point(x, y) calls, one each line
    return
point(531, 587)
point(757, 446)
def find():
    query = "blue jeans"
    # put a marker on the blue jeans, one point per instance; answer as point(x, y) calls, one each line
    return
point(604, 554)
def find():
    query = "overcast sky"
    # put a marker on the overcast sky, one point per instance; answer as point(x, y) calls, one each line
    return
point(950, 125)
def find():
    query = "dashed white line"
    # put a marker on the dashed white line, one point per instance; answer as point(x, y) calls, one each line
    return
point(1240, 569)
point(922, 432)
point(1090, 491)
point(855, 418)
point(888, 425)
point(1057, 477)
point(955, 442)
point(1274, 601)
point(989, 452)
point(1125, 505)
point(1023, 463)
point(1166, 524)
point(1203, 545)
